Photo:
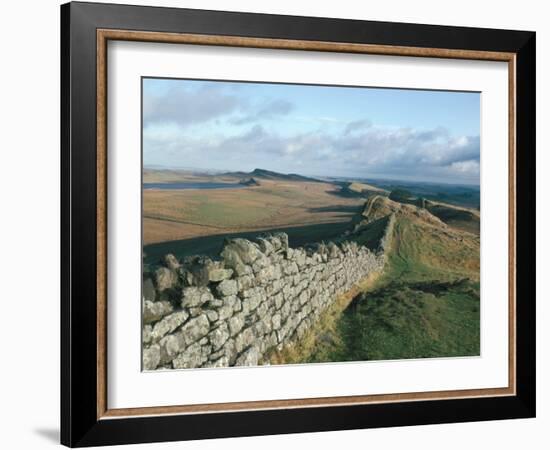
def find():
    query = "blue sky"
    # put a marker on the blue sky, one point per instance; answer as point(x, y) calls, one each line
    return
point(312, 130)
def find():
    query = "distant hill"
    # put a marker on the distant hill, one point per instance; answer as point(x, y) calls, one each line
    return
point(363, 187)
point(270, 175)
point(459, 195)
point(379, 206)
point(402, 196)
point(247, 178)
point(356, 189)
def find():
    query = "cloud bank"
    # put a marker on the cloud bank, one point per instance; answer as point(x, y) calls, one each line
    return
point(213, 128)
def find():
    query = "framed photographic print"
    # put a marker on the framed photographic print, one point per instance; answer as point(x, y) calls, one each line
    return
point(276, 224)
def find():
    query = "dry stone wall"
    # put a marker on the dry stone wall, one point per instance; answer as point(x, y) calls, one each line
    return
point(260, 295)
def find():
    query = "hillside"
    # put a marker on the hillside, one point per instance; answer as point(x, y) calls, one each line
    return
point(426, 303)
point(459, 195)
point(195, 221)
point(270, 175)
point(467, 219)
point(364, 189)
point(153, 175)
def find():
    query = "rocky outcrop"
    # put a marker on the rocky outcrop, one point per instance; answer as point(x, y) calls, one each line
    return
point(259, 296)
point(379, 207)
point(249, 182)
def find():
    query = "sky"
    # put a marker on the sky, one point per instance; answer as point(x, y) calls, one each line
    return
point(330, 131)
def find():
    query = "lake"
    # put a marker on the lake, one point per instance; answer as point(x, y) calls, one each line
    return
point(189, 185)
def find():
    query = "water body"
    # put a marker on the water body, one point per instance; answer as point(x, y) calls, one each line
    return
point(189, 185)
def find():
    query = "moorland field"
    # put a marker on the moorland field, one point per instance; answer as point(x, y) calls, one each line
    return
point(195, 221)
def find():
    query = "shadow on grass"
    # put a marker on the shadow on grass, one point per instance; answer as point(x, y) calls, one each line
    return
point(346, 193)
point(350, 209)
point(212, 245)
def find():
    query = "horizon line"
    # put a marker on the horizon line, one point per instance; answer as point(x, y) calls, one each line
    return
point(334, 177)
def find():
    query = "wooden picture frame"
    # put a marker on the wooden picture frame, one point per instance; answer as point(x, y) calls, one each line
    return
point(86, 418)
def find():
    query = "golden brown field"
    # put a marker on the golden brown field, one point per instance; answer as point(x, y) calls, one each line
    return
point(182, 214)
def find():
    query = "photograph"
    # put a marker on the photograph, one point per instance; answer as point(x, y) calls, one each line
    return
point(270, 223)
point(297, 224)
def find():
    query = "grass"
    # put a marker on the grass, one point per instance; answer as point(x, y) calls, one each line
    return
point(460, 218)
point(425, 304)
point(402, 320)
point(421, 252)
point(323, 331)
point(371, 235)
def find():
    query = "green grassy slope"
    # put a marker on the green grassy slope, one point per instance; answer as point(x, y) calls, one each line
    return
point(402, 321)
point(370, 236)
point(461, 218)
point(426, 303)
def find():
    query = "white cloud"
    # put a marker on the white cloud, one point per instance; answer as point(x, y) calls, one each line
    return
point(359, 148)
point(266, 111)
point(465, 167)
point(187, 106)
point(183, 107)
